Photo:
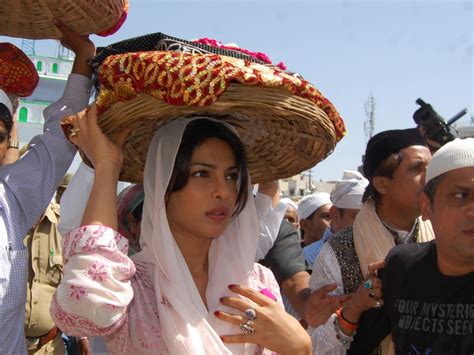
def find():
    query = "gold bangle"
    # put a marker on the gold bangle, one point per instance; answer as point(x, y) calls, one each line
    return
point(13, 144)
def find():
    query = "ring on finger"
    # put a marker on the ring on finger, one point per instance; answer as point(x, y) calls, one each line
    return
point(378, 304)
point(247, 327)
point(73, 132)
point(250, 313)
point(371, 294)
point(368, 284)
point(250, 323)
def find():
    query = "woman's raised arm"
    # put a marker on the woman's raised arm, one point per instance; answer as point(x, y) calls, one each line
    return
point(106, 157)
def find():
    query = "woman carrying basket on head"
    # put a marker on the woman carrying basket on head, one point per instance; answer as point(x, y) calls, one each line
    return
point(194, 287)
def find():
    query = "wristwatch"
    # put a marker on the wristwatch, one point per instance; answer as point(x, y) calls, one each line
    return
point(13, 144)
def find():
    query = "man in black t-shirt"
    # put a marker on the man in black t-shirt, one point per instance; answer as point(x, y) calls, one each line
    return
point(428, 288)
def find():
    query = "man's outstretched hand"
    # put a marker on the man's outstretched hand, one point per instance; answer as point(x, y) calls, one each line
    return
point(320, 305)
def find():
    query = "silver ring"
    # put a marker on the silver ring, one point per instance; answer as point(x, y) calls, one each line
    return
point(247, 328)
point(73, 132)
point(371, 294)
point(378, 304)
point(250, 313)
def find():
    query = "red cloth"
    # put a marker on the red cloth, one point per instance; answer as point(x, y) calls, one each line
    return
point(199, 80)
point(17, 72)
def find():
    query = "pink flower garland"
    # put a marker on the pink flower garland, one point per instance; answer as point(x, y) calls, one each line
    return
point(257, 55)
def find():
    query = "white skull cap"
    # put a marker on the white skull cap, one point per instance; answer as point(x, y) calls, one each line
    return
point(311, 203)
point(456, 154)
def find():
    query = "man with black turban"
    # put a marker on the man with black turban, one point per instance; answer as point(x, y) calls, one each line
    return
point(395, 165)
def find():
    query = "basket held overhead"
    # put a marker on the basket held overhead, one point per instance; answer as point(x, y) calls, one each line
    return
point(285, 123)
point(34, 18)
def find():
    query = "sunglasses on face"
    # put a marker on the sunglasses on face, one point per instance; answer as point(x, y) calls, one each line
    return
point(3, 137)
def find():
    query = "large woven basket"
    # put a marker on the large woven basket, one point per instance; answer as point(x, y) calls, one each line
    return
point(34, 18)
point(286, 124)
point(278, 146)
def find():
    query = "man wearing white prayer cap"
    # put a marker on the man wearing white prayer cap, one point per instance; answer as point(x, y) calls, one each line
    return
point(313, 212)
point(437, 274)
point(346, 200)
point(395, 165)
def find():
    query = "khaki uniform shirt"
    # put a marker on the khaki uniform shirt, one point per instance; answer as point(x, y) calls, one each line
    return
point(45, 263)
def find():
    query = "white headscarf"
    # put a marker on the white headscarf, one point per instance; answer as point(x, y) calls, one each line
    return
point(186, 326)
point(349, 190)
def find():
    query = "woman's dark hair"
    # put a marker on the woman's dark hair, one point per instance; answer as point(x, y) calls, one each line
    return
point(6, 117)
point(386, 168)
point(194, 135)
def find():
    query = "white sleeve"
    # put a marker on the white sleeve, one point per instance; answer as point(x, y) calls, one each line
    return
point(95, 290)
point(326, 271)
point(27, 186)
point(269, 223)
point(74, 200)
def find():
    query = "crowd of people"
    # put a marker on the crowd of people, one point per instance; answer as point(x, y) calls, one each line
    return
point(192, 258)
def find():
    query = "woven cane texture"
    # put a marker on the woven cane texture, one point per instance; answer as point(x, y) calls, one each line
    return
point(283, 134)
point(197, 80)
point(34, 18)
point(286, 124)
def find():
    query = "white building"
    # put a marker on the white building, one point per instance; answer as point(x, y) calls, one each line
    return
point(301, 185)
point(466, 130)
point(53, 73)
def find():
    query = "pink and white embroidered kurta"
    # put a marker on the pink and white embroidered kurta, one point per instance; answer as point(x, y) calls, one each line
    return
point(104, 293)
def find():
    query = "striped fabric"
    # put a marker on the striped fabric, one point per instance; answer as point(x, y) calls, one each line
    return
point(26, 188)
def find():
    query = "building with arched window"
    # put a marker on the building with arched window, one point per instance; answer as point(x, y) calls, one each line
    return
point(53, 73)
point(23, 114)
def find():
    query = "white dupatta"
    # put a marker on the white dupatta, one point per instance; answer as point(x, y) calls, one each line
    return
point(373, 241)
point(187, 327)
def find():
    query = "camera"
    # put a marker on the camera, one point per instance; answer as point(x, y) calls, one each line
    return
point(434, 127)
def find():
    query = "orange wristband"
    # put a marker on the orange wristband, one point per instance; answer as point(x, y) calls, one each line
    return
point(344, 322)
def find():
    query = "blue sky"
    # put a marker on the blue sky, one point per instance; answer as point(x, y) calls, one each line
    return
point(396, 50)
